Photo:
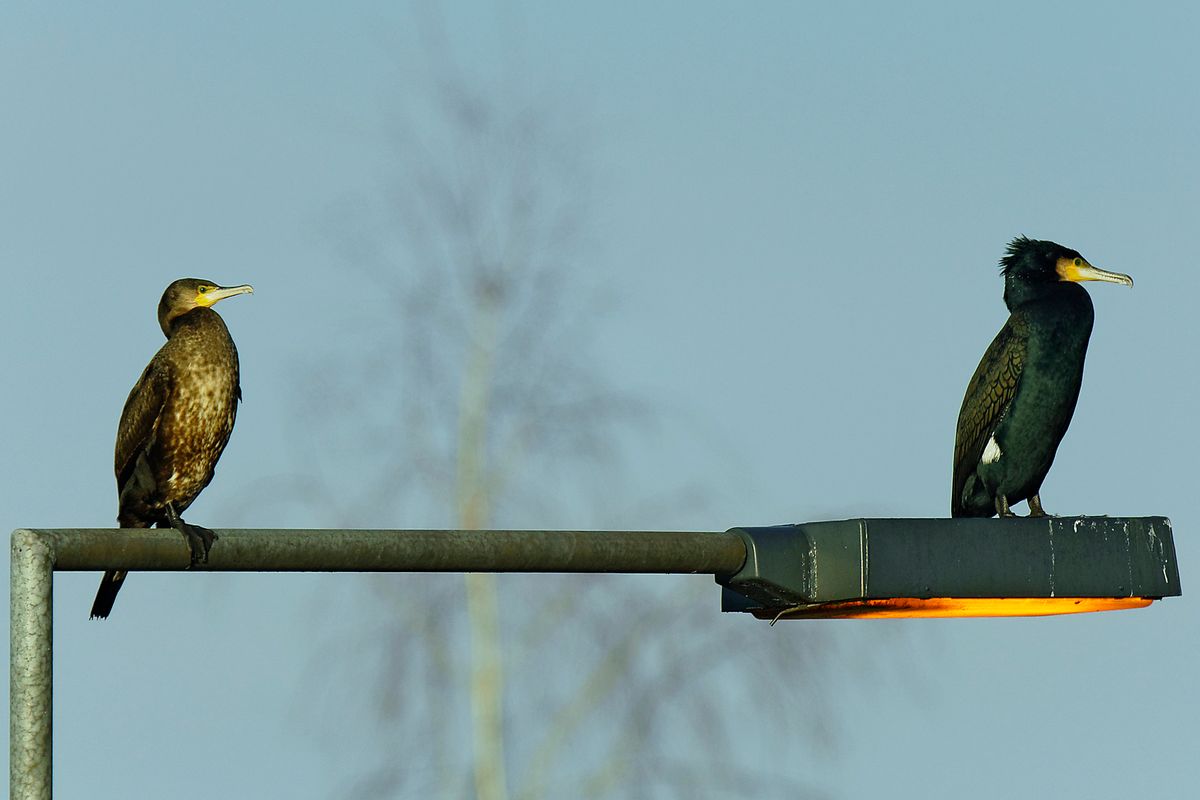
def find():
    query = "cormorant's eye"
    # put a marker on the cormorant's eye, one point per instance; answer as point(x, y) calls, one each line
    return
point(1078, 263)
point(204, 289)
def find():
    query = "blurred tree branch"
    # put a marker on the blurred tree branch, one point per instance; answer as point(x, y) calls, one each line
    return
point(474, 399)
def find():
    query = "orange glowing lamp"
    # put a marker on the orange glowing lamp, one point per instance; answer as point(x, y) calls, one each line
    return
point(888, 568)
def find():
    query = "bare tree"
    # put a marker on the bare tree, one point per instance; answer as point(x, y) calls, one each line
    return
point(477, 401)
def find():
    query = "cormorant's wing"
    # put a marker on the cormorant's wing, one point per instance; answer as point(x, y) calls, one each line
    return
point(140, 418)
point(988, 396)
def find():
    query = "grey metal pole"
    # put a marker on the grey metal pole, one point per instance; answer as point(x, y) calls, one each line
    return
point(406, 551)
point(37, 553)
point(30, 666)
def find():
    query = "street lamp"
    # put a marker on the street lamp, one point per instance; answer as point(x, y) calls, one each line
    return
point(953, 567)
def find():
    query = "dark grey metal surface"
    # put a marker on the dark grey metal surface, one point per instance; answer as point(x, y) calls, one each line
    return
point(823, 562)
point(404, 551)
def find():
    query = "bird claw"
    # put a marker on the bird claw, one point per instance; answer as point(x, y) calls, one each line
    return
point(1002, 509)
point(1035, 507)
point(200, 541)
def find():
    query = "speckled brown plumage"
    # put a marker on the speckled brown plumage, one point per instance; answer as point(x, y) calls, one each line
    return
point(177, 419)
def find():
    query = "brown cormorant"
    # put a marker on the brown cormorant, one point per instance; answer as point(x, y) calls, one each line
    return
point(1021, 398)
point(176, 421)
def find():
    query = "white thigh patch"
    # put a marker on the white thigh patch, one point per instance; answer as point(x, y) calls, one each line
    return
point(991, 453)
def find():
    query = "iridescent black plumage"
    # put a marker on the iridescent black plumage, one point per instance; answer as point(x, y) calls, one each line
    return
point(1022, 396)
point(176, 421)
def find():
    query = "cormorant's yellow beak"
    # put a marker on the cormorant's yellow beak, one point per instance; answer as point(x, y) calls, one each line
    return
point(208, 296)
point(1078, 269)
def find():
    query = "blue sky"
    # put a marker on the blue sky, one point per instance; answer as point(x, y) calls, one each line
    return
point(800, 207)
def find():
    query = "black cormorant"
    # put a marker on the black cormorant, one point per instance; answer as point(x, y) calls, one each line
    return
point(176, 421)
point(1021, 398)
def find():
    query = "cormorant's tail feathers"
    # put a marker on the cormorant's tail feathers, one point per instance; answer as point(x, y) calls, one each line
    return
point(106, 595)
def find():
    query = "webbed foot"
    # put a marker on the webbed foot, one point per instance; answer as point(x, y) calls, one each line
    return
point(199, 539)
point(1002, 508)
point(1035, 507)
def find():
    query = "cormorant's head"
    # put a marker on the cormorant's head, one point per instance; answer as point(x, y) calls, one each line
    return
point(1032, 262)
point(186, 294)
